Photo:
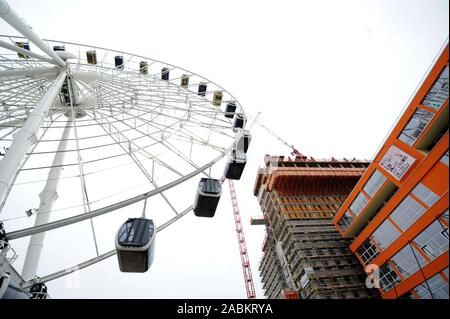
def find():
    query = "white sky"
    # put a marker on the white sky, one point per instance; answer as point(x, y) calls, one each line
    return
point(329, 77)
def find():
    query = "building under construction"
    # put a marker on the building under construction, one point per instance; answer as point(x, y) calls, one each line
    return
point(303, 254)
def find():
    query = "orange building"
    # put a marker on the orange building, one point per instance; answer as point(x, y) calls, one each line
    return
point(397, 214)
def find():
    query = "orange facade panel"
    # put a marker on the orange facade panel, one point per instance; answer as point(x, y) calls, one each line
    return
point(405, 191)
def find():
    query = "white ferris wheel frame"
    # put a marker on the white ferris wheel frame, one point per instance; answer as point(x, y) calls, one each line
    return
point(26, 136)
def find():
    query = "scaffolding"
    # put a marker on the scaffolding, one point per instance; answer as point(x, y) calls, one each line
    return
point(303, 253)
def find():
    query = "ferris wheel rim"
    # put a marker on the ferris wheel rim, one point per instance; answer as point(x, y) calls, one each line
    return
point(139, 56)
point(113, 207)
point(223, 153)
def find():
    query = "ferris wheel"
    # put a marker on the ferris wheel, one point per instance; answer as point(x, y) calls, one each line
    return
point(104, 138)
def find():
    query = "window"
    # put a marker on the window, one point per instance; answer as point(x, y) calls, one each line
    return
point(425, 194)
point(438, 287)
point(385, 234)
point(445, 215)
point(374, 183)
point(407, 213)
point(433, 240)
point(415, 126)
point(358, 204)
point(406, 261)
point(445, 272)
point(345, 221)
point(388, 277)
point(438, 93)
point(444, 158)
point(368, 251)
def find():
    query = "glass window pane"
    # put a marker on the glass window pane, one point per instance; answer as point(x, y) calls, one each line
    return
point(444, 158)
point(388, 277)
point(358, 204)
point(345, 221)
point(374, 183)
point(406, 261)
point(385, 234)
point(445, 272)
point(407, 213)
point(438, 287)
point(445, 215)
point(425, 194)
point(415, 126)
point(438, 93)
point(433, 240)
point(367, 251)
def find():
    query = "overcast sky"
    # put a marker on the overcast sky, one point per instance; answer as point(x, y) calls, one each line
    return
point(329, 77)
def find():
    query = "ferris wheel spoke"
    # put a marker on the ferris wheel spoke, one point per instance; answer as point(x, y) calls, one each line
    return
point(24, 85)
point(95, 260)
point(210, 114)
point(86, 203)
point(173, 149)
point(106, 126)
point(11, 47)
point(29, 72)
point(163, 142)
point(121, 120)
point(180, 132)
point(138, 163)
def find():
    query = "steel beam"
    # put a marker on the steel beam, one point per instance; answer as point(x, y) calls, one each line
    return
point(48, 196)
point(11, 47)
point(14, 20)
point(27, 136)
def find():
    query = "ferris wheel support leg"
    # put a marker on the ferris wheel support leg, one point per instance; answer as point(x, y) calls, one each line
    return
point(10, 164)
point(14, 20)
point(11, 47)
point(48, 196)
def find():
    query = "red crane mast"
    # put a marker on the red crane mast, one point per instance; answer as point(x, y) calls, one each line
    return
point(248, 279)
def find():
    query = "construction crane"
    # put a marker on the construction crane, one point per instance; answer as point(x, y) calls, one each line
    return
point(261, 220)
point(294, 151)
point(248, 279)
point(245, 261)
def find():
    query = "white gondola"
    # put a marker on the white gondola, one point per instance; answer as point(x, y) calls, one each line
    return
point(135, 245)
point(91, 57)
point(217, 98)
point(207, 198)
point(235, 165)
point(239, 121)
point(184, 83)
point(143, 67)
point(243, 138)
point(25, 46)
